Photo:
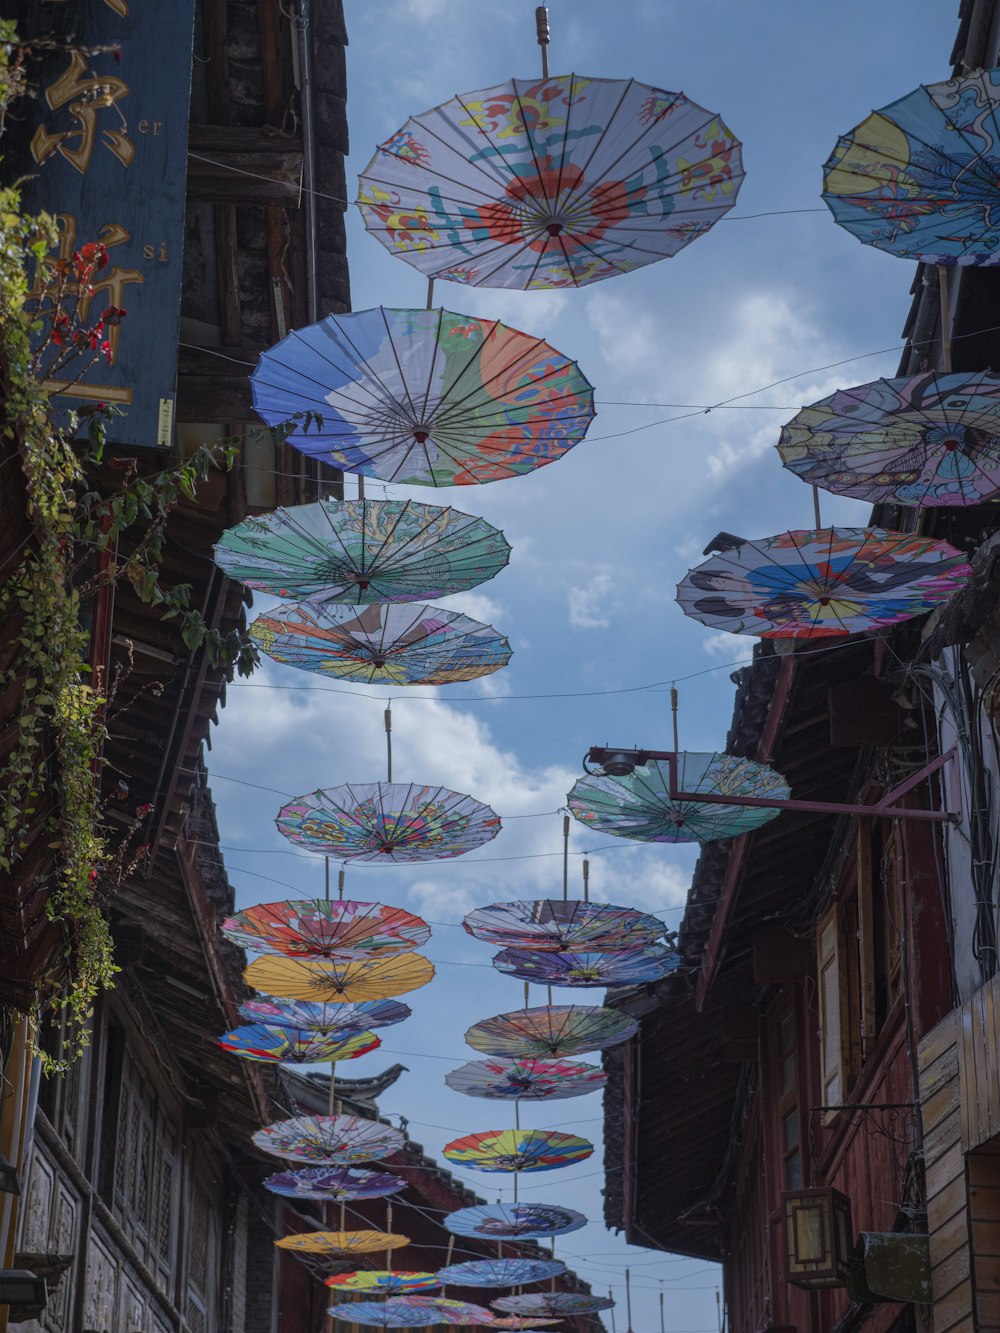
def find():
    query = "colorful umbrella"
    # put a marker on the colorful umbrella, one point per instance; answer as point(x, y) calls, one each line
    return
point(556, 1029)
point(500, 1272)
point(319, 928)
point(811, 584)
point(424, 397)
point(334, 1184)
point(551, 183)
point(518, 1150)
point(523, 1325)
point(552, 1303)
point(381, 645)
point(918, 178)
point(587, 969)
point(296, 1046)
point(412, 1312)
point(514, 1221)
point(552, 923)
point(383, 1280)
point(924, 440)
point(527, 1079)
point(362, 551)
point(325, 1017)
point(329, 1140)
point(342, 1242)
point(640, 806)
point(383, 819)
point(328, 979)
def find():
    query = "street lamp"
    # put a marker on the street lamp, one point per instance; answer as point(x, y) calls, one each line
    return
point(817, 1237)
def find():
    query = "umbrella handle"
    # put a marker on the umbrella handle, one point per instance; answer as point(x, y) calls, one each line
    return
point(542, 34)
point(943, 292)
point(388, 741)
point(586, 880)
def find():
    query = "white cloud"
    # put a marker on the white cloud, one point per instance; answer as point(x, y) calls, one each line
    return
point(477, 605)
point(588, 603)
point(726, 646)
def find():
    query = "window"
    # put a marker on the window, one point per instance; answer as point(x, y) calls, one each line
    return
point(144, 1173)
point(788, 1100)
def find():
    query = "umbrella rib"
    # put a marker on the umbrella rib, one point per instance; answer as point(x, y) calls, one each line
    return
point(433, 169)
point(360, 363)
point(395, 357)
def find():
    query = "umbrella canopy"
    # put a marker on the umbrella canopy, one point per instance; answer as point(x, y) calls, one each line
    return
point(424, 397)
point(362, 551)
point(556, 1029)
point(329, 1140)
point(383, 1281)
point(551, 923)
point(342, 1242)
point(296, 1046)
point(521, 1325)
point(381, 645)
point(822, 583)
point(412, 1312)
point(587, 969)
point(324, 1017)
point(927, 439)
point(552, 1303)
point(350, 980)
point(398, 821)
point(518, 1150)
point(918, 178)
point(319, 928)
point(527, 1079)
point(335, 1184)
point(640, 806)
point(551, 183)
point(500, 1272)
point(513, 1221)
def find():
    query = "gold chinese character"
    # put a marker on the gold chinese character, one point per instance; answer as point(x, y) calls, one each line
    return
point(84, 95)
point(120, 7)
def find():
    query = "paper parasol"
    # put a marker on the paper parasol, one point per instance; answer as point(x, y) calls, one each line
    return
point(296, 1046)
point(325, 1017)
point(347, 981)
point(555, 182)
point(527, 1079)
point(335, 1184)
point(500, 1272)
point(620, 968)
point(320, 928)
point(381, 645)
point(361, 551)
point(392, 821)
point(412, 1312)
point(342, 1242)
point(552, 923)
point(423, 397)
point(329, 1140)
point(822, 583)
point(383, 1281)
point(640, 806)
point(514, 1221)
point(554, 1030)
point(518, 1150)
point(552, 1303)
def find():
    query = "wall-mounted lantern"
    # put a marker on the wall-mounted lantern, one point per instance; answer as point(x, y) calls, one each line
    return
point(818, 1237)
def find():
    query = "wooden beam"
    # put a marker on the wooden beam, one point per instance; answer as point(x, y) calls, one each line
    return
point(243, 164)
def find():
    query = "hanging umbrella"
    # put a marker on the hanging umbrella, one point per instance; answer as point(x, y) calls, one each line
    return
point(640, 806)
point(296, 1046)
point(412, 1312)
point(500, 1272)
point(381, 645)
point(924, 440)
point(329, 1140)
point(342, 1242)
point(383, 819)
point(424, 397)
point(514, 1221)
point(551, 183)
point(334, 1184)
point(527, 1079)
point(552, 1303)
point(556, 1029)
point(328, 979)
point(552, 923)
point(834, 581)
point(362, 551)
point(383, 1281)
point(518, 1150)
point(523, 1325)
point(319, 928)
point(587, 969)
point(343, 1018)
point(918, 178)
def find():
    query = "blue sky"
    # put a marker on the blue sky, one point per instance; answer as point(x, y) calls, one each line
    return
point(601, 538)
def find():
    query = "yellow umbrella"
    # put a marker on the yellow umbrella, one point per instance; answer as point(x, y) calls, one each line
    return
point(342, 1242)
point(350, 980)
